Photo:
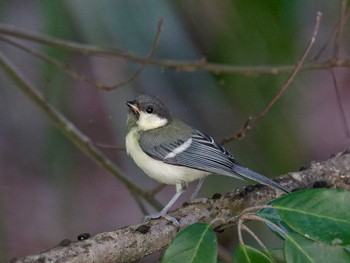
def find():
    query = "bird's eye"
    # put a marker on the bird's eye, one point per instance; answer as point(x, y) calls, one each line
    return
point(149, 109)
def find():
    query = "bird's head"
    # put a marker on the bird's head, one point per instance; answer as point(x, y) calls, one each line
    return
point(147, 112)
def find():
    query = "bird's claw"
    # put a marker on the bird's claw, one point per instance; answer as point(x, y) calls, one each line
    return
point(165, 216)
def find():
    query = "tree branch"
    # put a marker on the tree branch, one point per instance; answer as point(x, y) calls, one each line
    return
point(151, 53)
point(62, 66)
point(178, 65)
point(135, 242)
point(72, 132)
point(251, 122)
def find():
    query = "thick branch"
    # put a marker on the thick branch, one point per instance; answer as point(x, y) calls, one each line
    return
point(135, 242)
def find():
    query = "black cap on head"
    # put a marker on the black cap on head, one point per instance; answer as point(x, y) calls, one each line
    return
point(152, 105)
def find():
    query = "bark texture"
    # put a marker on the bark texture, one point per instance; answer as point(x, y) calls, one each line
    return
point(132, 243)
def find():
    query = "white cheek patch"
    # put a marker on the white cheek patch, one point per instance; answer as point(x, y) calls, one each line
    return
point(150, 121)
point(179, 149)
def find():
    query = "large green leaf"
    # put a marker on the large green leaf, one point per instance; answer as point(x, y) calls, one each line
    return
point(277, 255)
point(247, 254)
point(273, 216)
point(319, 214)
point(300, 249)
point(196, 243)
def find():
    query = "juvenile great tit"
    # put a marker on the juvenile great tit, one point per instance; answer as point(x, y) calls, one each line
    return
point(172, 152)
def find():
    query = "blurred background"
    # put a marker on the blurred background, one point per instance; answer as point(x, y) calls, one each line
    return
point(49, 190)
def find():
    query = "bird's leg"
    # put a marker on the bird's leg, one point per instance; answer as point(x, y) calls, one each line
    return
point(180, 188)
point(193, 198)
point(196, 190)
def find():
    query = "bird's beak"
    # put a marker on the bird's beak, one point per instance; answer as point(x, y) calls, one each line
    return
point(132, 104)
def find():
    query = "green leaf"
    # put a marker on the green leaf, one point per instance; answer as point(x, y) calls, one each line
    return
point(196, 243)
point(247, 254)
point(300, 249)
point(319, 214)
point(277, 255)
point(273, 216)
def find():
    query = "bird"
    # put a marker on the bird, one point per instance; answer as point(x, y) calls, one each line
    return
point(174, 153)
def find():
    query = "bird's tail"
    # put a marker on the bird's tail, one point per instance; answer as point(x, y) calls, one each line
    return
point(245, 172)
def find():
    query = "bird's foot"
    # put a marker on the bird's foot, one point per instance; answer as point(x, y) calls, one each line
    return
point(163, 215)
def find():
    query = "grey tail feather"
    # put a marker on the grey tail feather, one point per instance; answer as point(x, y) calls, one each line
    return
point(245, 172)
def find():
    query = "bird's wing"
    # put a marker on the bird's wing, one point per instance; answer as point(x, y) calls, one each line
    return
point(199, 151)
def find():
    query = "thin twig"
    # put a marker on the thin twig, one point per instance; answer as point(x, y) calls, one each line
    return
point(261, 244)
point(64, 67)
point(340, 29)
point(340, 104)
point(247, 229)
point(239, 227)
point(240, 134)
point(249, 216)
point(184, 66)
point(108, 146)
point(150, 55)
point(250, 210)
point(258, 218)
point(336, 33)
point(76, 75)
point(336, 51)
point(294, 72)
point(324, 46)
point(73, 73)
point(256, 208)
point(75, 135)
point(249, 124)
